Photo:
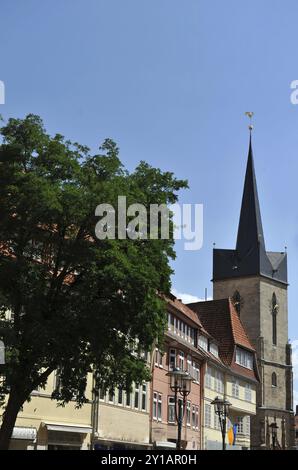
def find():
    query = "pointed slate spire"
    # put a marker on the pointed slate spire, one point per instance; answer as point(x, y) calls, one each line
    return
point(250, 230)
point(250, 257)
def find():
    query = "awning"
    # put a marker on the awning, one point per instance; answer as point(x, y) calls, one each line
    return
point(77, 428)
point(28, 434)
point(118, 441)
point(165, 444)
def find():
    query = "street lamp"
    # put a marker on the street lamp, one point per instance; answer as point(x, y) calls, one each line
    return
point(221, 408)
point(274, 429)
point(180, 382)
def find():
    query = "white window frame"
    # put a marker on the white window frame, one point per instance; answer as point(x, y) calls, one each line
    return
point(188, 413)
point(181, 360)
point(207, 422)
point(203, 342)
point(208, 377)
point(213, 349)
point(127, 395)
point(195, 371)
point(172, 354)
point(144, 395)
point(248, 392)
point(171, 405)
point(244, 358)
point(120, 393)
point(218, 381)
point(235, 388)
point(240, 425)
point(157, 406)
point(136, 393)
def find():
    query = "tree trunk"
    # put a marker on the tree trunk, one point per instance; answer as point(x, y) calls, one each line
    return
point(10, 414)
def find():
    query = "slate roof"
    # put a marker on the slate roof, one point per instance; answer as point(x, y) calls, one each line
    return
point(250, 256)
point(221, 320)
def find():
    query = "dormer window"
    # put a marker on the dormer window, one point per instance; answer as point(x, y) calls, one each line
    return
point(244, 358)
point(213, 349)
point(203, 342)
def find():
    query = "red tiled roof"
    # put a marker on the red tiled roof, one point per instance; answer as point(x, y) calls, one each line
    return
point(221, 320)
point(185, 310)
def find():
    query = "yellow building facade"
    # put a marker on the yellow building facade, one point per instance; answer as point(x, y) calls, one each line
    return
point(241, 393)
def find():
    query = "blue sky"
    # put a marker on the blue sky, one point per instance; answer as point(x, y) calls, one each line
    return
point(170, 82)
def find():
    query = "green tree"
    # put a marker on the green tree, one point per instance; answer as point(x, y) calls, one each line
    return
point(78, 304)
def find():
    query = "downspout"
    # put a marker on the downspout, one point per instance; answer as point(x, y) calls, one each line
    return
point(202, 395)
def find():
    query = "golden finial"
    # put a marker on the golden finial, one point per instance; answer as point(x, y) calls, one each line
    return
point(250, 115)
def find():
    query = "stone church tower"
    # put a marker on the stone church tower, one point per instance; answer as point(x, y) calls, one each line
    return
point(256, 280)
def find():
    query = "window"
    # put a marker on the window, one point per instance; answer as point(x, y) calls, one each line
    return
point(213, 349)
point(203, 342)
point(158, 358)
point(137, 395)
point(181, 360)
point(172, 359)
point(111, 396)
point(247, 392)
point(193, 416)
point(218, 381)
point(171, 410)
point(244, 358)
point(170, 322)
point(102, 393)
point(240, 428)
point(188, 406)
point(176, 329)
point(197, 418)
point(192, 336)
point(183, 330)
point(120, 396)
point(235, 388)
point(128, 398)
point(274, 380)
point(274, 318)
point(208, 377)
point(144, 397)
point(247, 425)
point(195, 371)
point(208, 415)
point(157, 402)
point(216, 421)
point(57, 381)
point(189, 365)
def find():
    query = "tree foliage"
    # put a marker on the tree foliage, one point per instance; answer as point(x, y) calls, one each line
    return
point(77, 303)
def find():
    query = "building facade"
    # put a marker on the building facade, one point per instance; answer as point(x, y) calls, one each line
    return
point(256, 280)
point(231, 373)
point(180, 350)
point(42, 425)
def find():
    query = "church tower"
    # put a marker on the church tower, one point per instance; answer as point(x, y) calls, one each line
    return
point(256, 280)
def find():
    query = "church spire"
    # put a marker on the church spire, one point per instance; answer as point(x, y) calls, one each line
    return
point(250, 230)
point(250, 257)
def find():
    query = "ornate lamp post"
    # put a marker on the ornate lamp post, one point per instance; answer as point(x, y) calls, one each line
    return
point(221, 408)
point(273, 426)
point(180, 382)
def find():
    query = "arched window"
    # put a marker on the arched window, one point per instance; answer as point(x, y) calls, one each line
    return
point(274, 315)
point(274, 380)
point(237, 301)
